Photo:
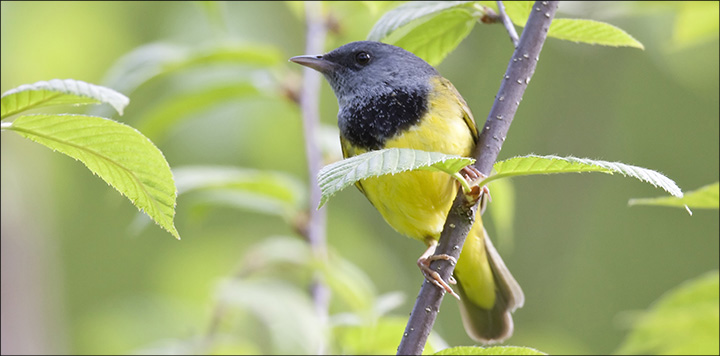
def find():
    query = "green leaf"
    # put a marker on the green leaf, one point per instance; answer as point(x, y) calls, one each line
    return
point(433, 39)
point(275, 251)
point(576, 30)
point(158, 120)
point(518, 11)
point(684, 321)
point(337, 176)
point(118, 153)
point(592, 32)
point(259, 190)
point(706, 197)
point(349, 283)
point(408, 12)
point(502, 212)
point(377, 337)
point(495, 350)
point(161, 59)
point(58, 92)
point(285, 310)
point(531, 164)
point(695, 22)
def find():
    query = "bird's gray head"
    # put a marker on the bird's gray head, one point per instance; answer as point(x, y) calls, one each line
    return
point(381, 89)
point(367, 68)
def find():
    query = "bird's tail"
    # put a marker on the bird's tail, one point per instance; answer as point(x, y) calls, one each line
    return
point(488, 292)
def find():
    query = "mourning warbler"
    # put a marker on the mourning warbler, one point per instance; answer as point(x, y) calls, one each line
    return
point(388, 97)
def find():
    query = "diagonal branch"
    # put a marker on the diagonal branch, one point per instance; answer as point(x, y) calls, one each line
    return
point(461, 216)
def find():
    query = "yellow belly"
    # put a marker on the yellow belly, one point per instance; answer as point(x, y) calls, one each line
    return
point(416, 203)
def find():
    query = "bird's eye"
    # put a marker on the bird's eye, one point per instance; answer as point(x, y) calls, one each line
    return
point(362, 58)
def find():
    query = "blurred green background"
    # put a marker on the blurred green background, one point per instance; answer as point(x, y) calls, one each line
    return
point(78, 277)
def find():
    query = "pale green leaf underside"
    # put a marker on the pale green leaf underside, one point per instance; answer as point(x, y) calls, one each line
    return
point(161, 59)
point(434, 38)
point(494, 350)
point(592, 32)
point(408, 12)
point(118, 153)
point(684, 321)
point(337, 176)
point(706, 197)
point(530, 165)
point(58, 92)
point(260, 190)
point(159, 119)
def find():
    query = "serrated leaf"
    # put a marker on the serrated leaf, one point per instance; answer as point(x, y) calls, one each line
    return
point(592, 32)
point(117, 153)
point(433, 39)
point(408, 12)
point(337, 176)
point(159, 119)
point(58, 92)
point(684, 321)
point(161, 59)
point(259, 190)
point(576, 30)
point(706, 197)
point(494, 350)
point(531, 164)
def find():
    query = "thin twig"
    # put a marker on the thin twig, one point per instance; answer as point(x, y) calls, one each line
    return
point(309, 105)
point(493, 133)
point(508, 24)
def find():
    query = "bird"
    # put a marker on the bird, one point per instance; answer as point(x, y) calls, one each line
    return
point(390, 98)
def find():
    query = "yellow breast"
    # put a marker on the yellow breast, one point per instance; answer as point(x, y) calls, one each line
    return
point(416, 203)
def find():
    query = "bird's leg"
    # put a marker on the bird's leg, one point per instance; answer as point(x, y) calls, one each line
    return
point(432, 276)
point(473, 176)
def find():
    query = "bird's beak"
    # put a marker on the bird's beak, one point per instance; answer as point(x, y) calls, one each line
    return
point(316, 62)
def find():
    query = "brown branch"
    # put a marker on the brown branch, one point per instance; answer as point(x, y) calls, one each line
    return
point(309, 105)
point(461, 216)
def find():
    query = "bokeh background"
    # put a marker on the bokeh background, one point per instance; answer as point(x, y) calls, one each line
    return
point(79, 276)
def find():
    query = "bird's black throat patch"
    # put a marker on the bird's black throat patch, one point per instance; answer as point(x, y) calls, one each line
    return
point(369, 123)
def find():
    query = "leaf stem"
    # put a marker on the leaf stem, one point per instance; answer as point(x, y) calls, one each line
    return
point(507, 23)
point(461, 217)
point(463, 182)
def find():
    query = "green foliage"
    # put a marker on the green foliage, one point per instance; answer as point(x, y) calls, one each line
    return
point(117, 153)
point(695, 22)
point(705, 197)
point(162, 59)
point(433, 29)
point(167, 114)
point(429, 29)
point(437, 37)
point(683, 321)
point(495, 350)
point(531, 165)
point(409, 12)
point(58, 92)
point(339, 175)
point(592, 32)
point(262, 191)
point(265, 307)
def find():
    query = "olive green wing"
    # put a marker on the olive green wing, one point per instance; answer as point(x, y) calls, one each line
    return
point(467, 114)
